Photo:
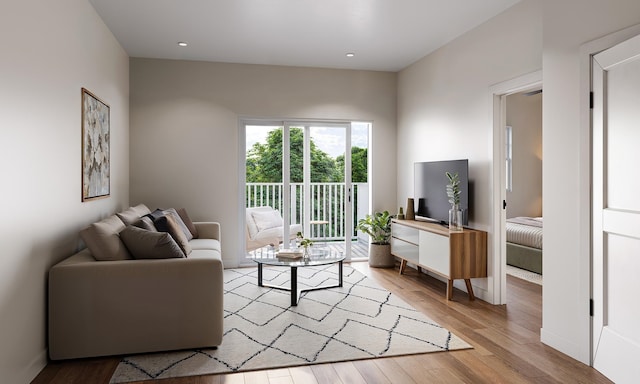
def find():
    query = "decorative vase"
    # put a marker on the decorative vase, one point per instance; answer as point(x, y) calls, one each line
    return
point(306, 255)
point(400, 214)
point(411, 213)
point(455, 218)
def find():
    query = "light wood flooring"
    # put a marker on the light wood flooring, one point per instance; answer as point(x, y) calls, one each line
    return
point(506, 340)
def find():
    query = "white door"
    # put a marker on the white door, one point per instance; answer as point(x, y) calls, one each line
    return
point(616, 212)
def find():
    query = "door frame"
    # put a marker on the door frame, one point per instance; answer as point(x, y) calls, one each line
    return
point(498, 245)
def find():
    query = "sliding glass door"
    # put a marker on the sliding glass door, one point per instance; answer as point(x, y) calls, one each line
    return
point(317, 195)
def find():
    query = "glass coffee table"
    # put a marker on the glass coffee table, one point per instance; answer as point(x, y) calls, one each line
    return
point(316, 257)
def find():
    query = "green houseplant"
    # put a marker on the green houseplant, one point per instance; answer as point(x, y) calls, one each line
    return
point(453, 192)
point(378, 227)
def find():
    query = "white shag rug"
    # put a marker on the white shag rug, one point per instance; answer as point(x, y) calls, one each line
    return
point(360, 320)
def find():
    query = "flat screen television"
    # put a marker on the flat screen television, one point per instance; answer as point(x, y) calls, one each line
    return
point(430, 189)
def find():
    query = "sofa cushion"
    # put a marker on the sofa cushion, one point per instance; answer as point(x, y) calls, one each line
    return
point(144, 244)
point(167, 223)
point(145, 223)
point(187, 221)
point(133, 214)
point(267, 219)
point(205, 244)
point(103, 241)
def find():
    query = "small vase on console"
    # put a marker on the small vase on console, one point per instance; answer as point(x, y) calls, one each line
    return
point(411, 213)
point(455, 218)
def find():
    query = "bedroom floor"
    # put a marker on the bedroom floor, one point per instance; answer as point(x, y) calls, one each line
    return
point(524, 274)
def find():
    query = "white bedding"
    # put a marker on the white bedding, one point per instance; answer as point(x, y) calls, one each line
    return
point(525, 231)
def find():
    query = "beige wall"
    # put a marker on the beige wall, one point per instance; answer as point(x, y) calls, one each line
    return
point(185, 128)
point(444, 105)
point(50, 50)
point(524, 115)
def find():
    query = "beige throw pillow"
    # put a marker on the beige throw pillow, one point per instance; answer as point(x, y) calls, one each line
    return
point(133, 214)
point(103, 241)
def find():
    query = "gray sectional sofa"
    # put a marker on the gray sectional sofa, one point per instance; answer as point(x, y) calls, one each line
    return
point(143, 292)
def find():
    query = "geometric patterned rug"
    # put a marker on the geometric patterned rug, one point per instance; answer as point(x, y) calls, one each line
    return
point(360, 320)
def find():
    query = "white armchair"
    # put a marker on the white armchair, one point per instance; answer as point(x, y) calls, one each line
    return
point(264, 227)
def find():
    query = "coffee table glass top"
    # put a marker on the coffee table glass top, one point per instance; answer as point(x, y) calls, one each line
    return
point(316, 257)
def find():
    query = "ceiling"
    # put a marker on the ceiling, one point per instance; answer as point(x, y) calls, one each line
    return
point(384, 35)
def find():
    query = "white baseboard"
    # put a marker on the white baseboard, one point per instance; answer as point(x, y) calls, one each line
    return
point(29, 372)
point(565, 346)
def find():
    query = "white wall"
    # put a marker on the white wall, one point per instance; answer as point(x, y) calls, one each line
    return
point(444, 106)
point(565, 322)
point(184, 129)
point(524, 115)
point(443, 112)
point(50, 50)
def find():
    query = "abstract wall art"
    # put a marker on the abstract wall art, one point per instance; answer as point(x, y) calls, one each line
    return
point(95, 147)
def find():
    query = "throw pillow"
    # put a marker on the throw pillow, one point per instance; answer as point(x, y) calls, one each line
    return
point(167, 223)
point(103, 241)
point(144, 244)
point(133, 214)
point(145, 223)
point(174, 214)
point(267, 219)
point(187, 221)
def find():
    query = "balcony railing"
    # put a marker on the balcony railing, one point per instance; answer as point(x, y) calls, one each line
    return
point(328, 203)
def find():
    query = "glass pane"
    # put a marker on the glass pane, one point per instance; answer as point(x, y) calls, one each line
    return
point(263, 182)
point(327, 188)
point(360, 185)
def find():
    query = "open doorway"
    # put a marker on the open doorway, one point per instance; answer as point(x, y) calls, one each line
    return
point(523, 162)
point(532, 84)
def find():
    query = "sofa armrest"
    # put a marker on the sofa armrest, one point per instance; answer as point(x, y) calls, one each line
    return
point(208, 229)
point(100, 308)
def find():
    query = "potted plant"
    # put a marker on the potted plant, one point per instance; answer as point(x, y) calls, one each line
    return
point(305, 243)
point(378, 227)
point(453, 192)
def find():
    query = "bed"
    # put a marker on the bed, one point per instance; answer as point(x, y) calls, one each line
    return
point(524, 243)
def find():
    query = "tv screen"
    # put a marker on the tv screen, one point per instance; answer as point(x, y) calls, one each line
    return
point(430, 189)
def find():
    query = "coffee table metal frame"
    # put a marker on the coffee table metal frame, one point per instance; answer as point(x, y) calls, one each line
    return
point(317, 257)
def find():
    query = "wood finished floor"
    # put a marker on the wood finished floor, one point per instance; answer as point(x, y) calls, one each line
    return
point(506, 340)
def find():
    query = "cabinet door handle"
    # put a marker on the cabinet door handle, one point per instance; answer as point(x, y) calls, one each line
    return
point(504, 204)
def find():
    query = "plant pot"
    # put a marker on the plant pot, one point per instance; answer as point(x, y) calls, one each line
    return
point(380, 256)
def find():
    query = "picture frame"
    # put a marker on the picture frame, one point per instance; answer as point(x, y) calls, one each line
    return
point(96, 159)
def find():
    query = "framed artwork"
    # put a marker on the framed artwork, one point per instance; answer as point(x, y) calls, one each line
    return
point(96, 162)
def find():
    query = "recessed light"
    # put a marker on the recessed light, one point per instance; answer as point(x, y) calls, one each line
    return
point(182, 44)
point(350, 54)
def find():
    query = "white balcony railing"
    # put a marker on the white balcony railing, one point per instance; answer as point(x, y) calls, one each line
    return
point(328, 202)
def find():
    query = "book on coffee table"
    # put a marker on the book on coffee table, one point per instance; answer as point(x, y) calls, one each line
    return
point(291, 253)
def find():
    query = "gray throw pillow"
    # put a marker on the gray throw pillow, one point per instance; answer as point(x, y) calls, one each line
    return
point(168, 224)
point(144, 244)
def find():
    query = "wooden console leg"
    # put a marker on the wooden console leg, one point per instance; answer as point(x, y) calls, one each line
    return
point(469, 289)
point(449, 289)
point(403, 264)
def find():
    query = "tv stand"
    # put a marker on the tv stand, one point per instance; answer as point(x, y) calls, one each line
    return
point(449, 254)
